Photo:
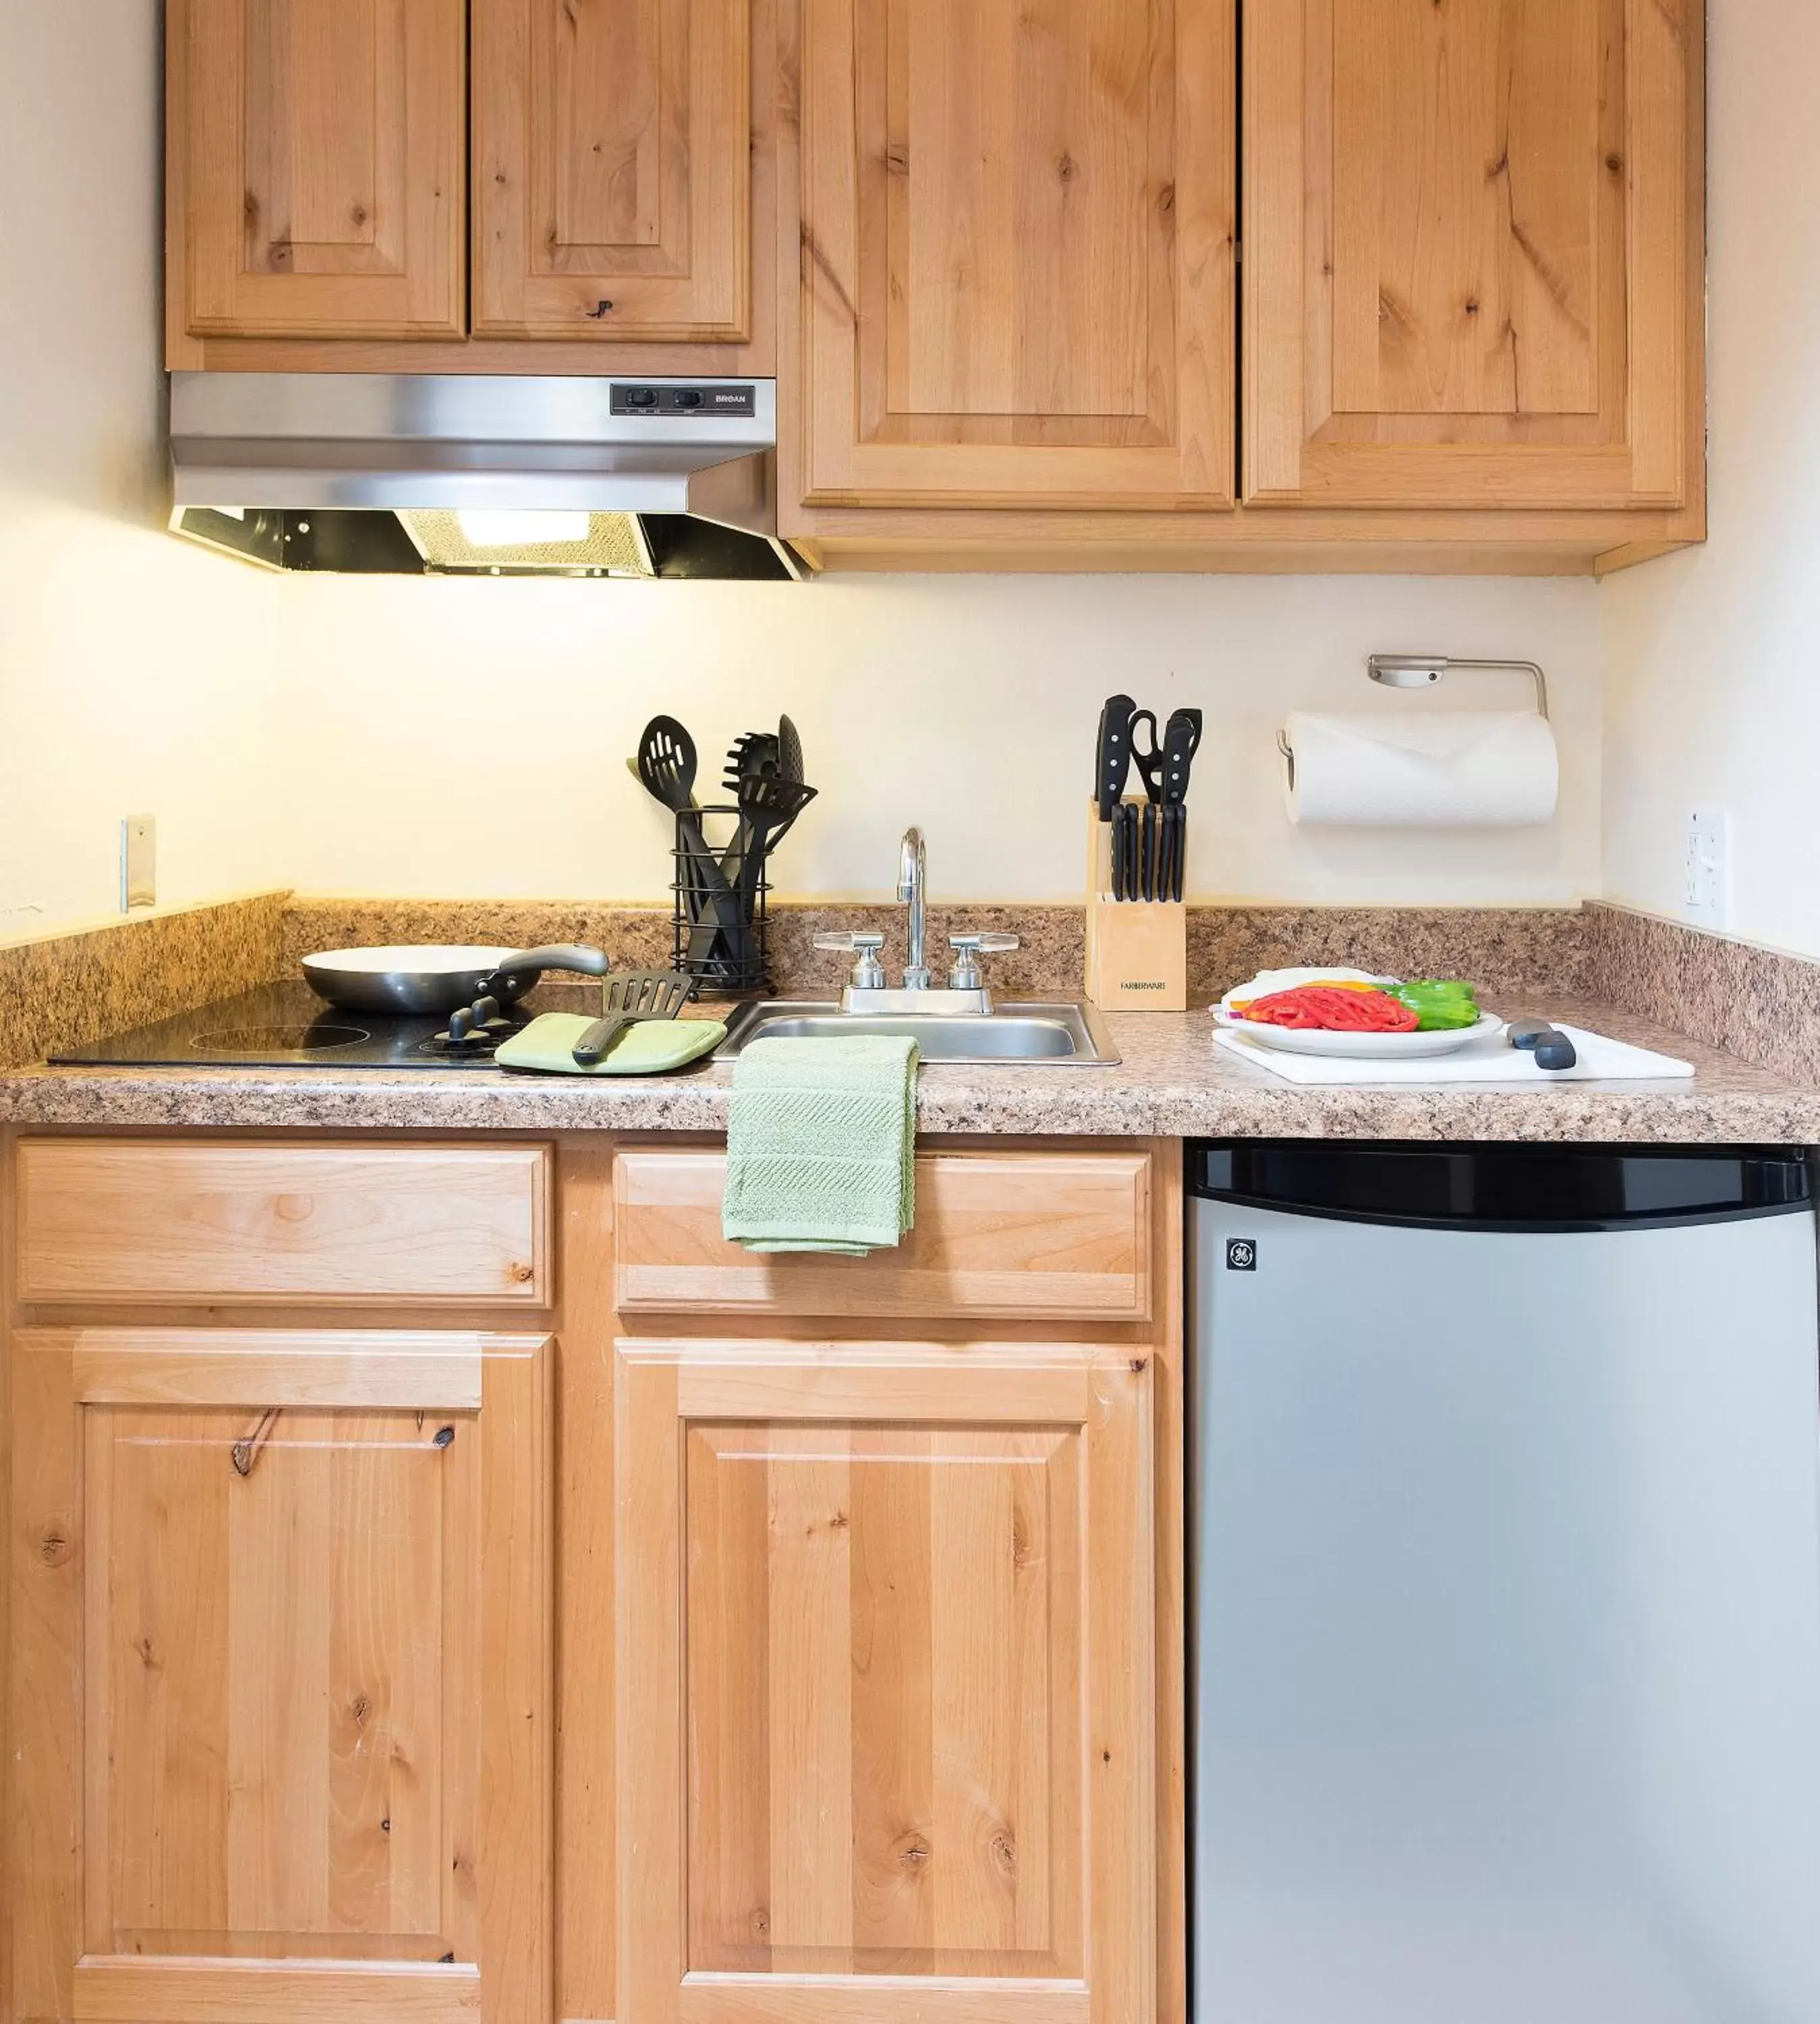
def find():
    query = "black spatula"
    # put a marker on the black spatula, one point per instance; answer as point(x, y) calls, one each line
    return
point(628, 996)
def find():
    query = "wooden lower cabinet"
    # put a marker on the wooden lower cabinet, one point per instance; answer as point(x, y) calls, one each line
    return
point(886, 1696)
point(622, 1639)
point(281, 1678)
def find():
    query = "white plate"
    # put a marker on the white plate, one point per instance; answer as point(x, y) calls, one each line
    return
point(1362, 1047)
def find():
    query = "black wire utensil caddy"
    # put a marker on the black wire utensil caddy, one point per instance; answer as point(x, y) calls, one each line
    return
point(720, 936)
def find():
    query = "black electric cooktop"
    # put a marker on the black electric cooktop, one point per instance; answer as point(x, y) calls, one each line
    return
point(288, 1026)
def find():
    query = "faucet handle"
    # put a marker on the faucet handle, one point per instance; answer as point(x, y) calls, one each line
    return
point(868, 971)
point(968, 950)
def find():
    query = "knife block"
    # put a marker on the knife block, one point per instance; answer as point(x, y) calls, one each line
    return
point(1136, 949)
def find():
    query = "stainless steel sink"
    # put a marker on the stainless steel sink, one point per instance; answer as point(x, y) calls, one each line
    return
point(1067, 1034)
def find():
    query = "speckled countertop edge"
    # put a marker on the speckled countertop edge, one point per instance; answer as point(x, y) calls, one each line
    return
point(1172, 1083)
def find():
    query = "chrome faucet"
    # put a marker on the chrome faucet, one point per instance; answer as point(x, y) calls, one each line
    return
point(966, 994)
point(912, 888)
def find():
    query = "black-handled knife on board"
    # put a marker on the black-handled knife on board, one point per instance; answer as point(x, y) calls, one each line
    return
point(1551, 1047)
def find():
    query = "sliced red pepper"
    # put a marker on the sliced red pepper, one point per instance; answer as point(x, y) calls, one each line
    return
point(1320, 1008)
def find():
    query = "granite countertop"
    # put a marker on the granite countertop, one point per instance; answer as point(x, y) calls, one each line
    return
point(1173, 1082)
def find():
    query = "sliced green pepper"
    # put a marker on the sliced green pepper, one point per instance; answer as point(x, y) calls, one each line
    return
point(1441, 1005)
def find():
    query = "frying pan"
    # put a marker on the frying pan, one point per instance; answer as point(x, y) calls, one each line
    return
point(438, 978)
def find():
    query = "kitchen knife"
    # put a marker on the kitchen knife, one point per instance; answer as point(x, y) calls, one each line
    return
point(1181, 740)
point(1112, 754)
point(1147, 851)
point(1551, 1046)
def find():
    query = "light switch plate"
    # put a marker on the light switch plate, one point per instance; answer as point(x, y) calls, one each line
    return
point(1707, 870)
point(138, 862)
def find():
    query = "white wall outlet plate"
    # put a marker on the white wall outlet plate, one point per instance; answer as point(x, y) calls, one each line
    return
point(138, 862)
point(1706, 872)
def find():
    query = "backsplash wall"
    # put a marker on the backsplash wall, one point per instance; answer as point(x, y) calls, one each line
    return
point(469, 739)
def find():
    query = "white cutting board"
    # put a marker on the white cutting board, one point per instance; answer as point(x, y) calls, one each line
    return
point(1491, 1060)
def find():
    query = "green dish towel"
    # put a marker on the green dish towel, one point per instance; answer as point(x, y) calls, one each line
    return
point(821, 1148)
point(648, 1048)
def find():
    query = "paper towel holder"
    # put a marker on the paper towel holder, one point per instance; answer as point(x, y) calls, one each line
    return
point(1424, 671)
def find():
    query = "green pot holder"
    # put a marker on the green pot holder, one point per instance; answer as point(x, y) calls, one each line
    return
point(652, 1047)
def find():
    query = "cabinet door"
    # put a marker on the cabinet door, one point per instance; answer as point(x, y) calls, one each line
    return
point(281, 1677)
point(886, 1692)
point(1467, 265)
point(1016, 252)
point(611, 149)
point(322, 153)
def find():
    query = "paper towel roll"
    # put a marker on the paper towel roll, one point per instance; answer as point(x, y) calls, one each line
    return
point(1452, 769)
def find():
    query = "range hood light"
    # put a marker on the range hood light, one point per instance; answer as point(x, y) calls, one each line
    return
point(507, 528)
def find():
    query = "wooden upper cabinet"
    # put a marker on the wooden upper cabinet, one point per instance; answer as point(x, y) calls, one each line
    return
point(320, 146)
point(1016, 253)
point(1468, 270)
point(612, 161)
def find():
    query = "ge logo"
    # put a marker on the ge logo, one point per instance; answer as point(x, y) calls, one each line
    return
point(1241, 1255)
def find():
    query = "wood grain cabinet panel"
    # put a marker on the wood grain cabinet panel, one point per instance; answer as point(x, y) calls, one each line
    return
point(886, 1714)
point(612, 150)
point(119, 1220)
point(1016, 235)
point(299, 1726)
point(1467, 252)
point(324, 166)
point(1037, 1235)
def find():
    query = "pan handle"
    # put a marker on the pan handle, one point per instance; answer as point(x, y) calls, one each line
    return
point(526, 965)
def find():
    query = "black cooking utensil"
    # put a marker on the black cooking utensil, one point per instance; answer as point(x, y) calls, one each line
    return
point(628, 997)
point(752, 753)
point(667, 765)
point(790, 750)
point(1112, 754)
point(768, 806)
point(1551, 1046)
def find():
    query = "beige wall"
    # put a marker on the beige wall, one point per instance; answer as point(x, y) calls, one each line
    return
point(454, 738)
point(135, 674)
point(413, 737)
point(1712, 658)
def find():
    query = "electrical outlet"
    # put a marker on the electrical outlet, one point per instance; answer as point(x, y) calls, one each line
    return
point(138, 862)
point(1707, 870)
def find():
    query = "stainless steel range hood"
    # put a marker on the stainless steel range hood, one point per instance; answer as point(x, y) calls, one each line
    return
point(479, 473)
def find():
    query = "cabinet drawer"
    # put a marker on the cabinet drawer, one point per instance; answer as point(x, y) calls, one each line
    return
point(106, 1220)
point(1045, 1234)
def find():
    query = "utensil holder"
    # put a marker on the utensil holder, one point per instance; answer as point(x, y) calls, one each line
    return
point(737, 964)
point(1136, 949)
